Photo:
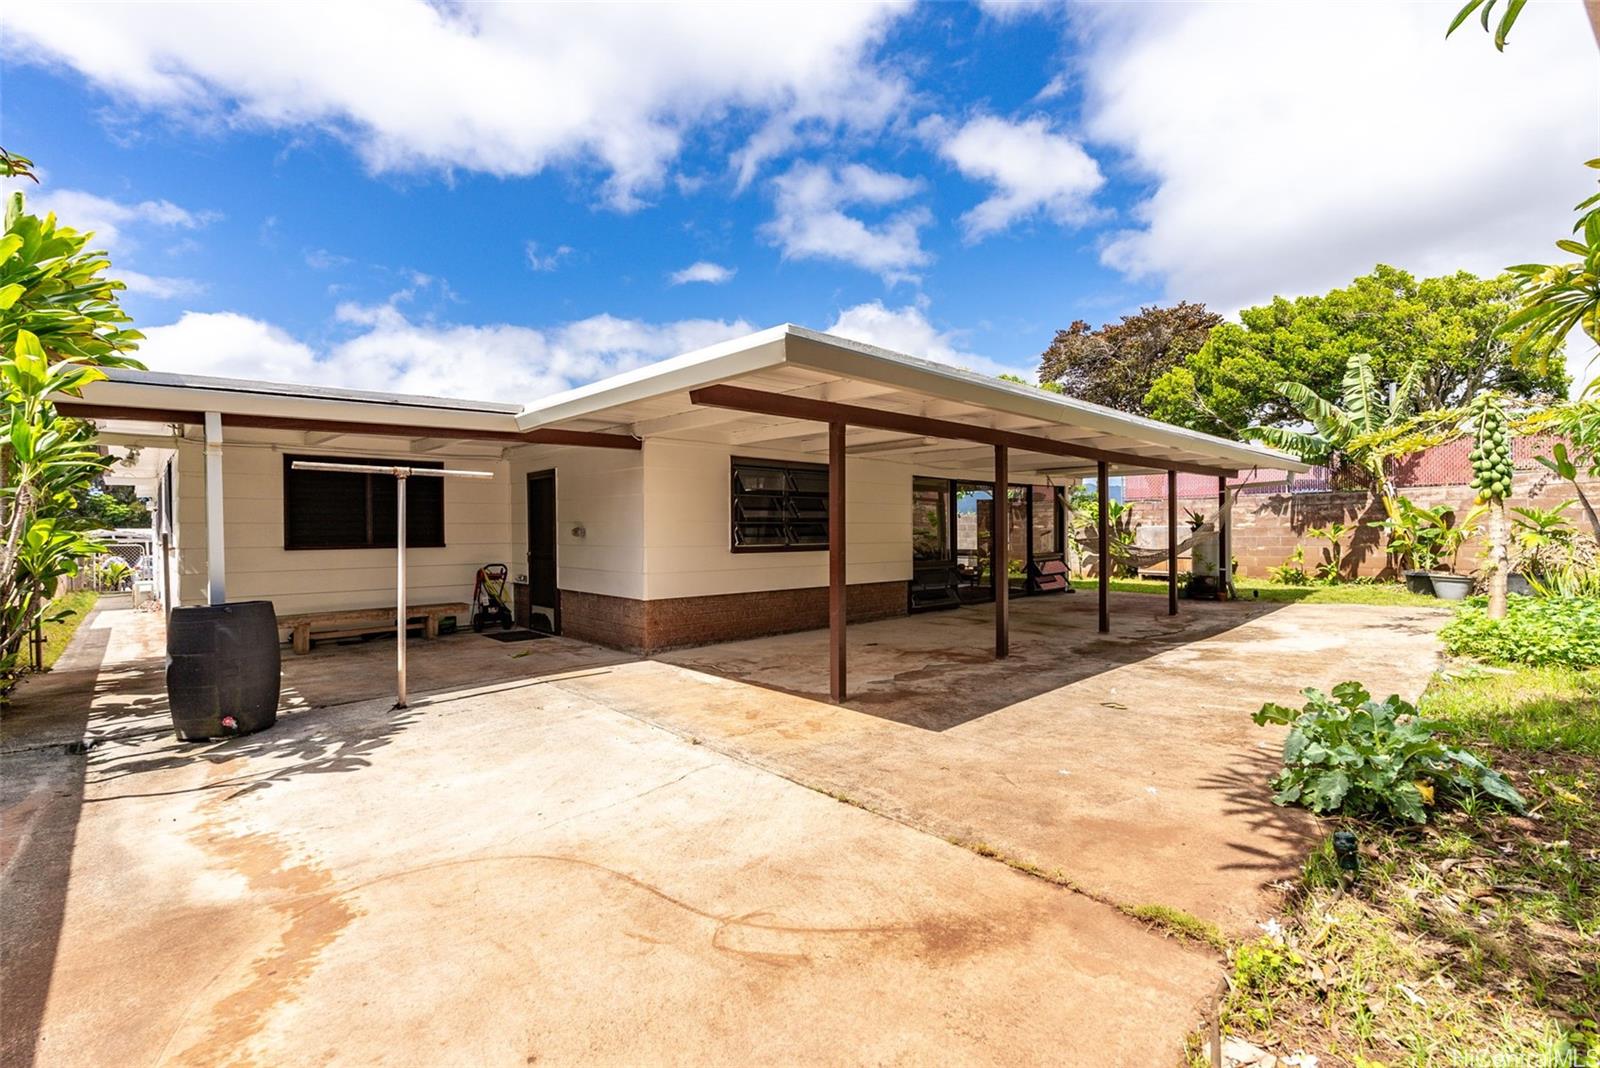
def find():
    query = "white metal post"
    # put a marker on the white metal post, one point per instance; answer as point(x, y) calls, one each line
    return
point(400, 585)
point(216, 565)
point(400, 475)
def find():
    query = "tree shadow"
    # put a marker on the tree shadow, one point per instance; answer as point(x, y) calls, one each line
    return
point(1279, 836)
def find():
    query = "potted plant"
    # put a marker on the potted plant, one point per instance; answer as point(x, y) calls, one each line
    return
point(1447, 536)
point(1411, 545)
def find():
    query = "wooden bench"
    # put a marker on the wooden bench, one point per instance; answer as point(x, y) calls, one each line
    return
point(357, 622)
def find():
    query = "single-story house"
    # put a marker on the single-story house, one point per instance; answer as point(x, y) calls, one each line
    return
point(691, 500)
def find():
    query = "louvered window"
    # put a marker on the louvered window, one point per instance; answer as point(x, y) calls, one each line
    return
point(779, 506)
point(356, 510)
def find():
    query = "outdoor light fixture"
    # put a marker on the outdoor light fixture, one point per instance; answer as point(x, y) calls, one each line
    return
point(1348, 852)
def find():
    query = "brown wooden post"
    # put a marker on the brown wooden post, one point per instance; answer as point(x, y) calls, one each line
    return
point(836, 562)
point(1223, 566)
point(1000, 553)
point(1103, 491)
point(1172, 543)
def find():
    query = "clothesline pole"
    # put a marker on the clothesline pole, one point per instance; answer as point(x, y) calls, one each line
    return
point(401, 475)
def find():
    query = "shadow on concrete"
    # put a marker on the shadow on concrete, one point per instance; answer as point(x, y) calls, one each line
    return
point(938, 671)
point(41, 800)
point(1277, 834)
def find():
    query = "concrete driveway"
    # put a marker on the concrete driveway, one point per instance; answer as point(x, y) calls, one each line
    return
point(588, 857)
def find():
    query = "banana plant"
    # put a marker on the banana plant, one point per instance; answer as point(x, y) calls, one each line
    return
point(1344, 429)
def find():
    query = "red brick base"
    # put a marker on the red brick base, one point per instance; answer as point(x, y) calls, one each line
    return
point(651, 626)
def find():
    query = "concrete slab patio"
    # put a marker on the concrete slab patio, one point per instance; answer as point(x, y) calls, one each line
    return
point(526, 867)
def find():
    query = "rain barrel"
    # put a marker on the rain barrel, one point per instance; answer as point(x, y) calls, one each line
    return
point(222, 669)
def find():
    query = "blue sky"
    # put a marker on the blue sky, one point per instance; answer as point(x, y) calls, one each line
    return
point(499, 201)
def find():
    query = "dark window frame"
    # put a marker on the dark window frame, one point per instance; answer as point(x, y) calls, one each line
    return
point(789, 501)
point(414, 506)
point(952, 518)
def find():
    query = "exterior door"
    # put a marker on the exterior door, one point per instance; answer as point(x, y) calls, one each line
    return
point(542, 591)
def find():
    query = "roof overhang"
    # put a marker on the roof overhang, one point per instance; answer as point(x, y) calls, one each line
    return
point(940, 418)
point(659, 401)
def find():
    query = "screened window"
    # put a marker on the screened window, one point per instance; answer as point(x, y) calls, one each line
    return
point(779, 506)
point(356, 510)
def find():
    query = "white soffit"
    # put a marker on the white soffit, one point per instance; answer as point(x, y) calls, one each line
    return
point(654, 401)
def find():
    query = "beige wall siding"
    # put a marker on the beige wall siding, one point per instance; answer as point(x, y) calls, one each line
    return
point(600, 490)
point(687, 525)
point(477, 531)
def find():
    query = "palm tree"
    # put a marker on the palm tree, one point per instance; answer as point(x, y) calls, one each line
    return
point(1345, 429)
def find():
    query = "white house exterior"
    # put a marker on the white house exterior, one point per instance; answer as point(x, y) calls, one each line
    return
point(647, 534)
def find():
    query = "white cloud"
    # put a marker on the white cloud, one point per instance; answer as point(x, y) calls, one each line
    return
point(704, 271)
point(545, 261)
point(1033, 169)
point(320, 259)
point(509, 89)
point(161, 287)
point(111, 220)
point(907, 330)
point(810, 222)
point(390, 351)
point(1293, 146)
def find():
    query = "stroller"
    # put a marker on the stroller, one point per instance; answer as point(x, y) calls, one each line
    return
point(489, 598)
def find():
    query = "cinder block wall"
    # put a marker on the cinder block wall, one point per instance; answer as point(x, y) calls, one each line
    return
point(1267, 527)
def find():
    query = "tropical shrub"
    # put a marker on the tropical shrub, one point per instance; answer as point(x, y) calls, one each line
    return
point(1535, 630)
point(1328, 570)
point(1349, 753)
point(59, 322)
point(1292, 572)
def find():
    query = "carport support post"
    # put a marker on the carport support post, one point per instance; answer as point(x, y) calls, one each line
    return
point(1224, 555)
point(836, 562)
point(1103, 524)
point(1172, 543)
point(400, 584)
point(1000, 553)
point(216, 565)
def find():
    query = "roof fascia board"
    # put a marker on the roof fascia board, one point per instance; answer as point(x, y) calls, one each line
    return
point(824, 352)
point(703, 367)
point(130, 394)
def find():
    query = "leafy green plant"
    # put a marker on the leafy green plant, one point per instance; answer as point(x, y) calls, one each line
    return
point(1534, 630)
point(1349, 753)
point(59, 322)
point(1341, 429)
point(1292, 572)
point(1329, 569)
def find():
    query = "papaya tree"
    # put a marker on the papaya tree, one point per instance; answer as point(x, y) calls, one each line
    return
point(1491, 479)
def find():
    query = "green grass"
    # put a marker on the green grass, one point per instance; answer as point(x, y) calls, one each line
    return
point(1537, 709)
point(59, 633)
point(1468, 941)
point(1381, 593)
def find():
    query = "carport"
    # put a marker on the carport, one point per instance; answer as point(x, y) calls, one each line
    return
point(805, 392)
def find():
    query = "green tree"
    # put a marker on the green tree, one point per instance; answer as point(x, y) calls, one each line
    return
point(1343, 430)
point(59, 323)
point(1445, 333)
point(1117, 364)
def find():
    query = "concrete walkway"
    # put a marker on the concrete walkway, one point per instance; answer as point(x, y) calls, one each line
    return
point(587, 857)
point(522, 876)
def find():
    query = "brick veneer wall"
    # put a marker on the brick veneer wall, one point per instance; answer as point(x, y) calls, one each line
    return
point(1267, 527)
point(651, 626)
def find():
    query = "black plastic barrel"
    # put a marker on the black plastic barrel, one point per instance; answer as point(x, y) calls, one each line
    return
point(222, 669)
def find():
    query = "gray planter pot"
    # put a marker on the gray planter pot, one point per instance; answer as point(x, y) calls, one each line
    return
point(1420, 582)
point(1452, 587)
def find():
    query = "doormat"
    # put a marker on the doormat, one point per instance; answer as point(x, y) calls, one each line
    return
point(514, 635)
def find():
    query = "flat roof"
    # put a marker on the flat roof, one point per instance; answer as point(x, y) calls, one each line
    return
point(653, 403)
point(797, 361)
